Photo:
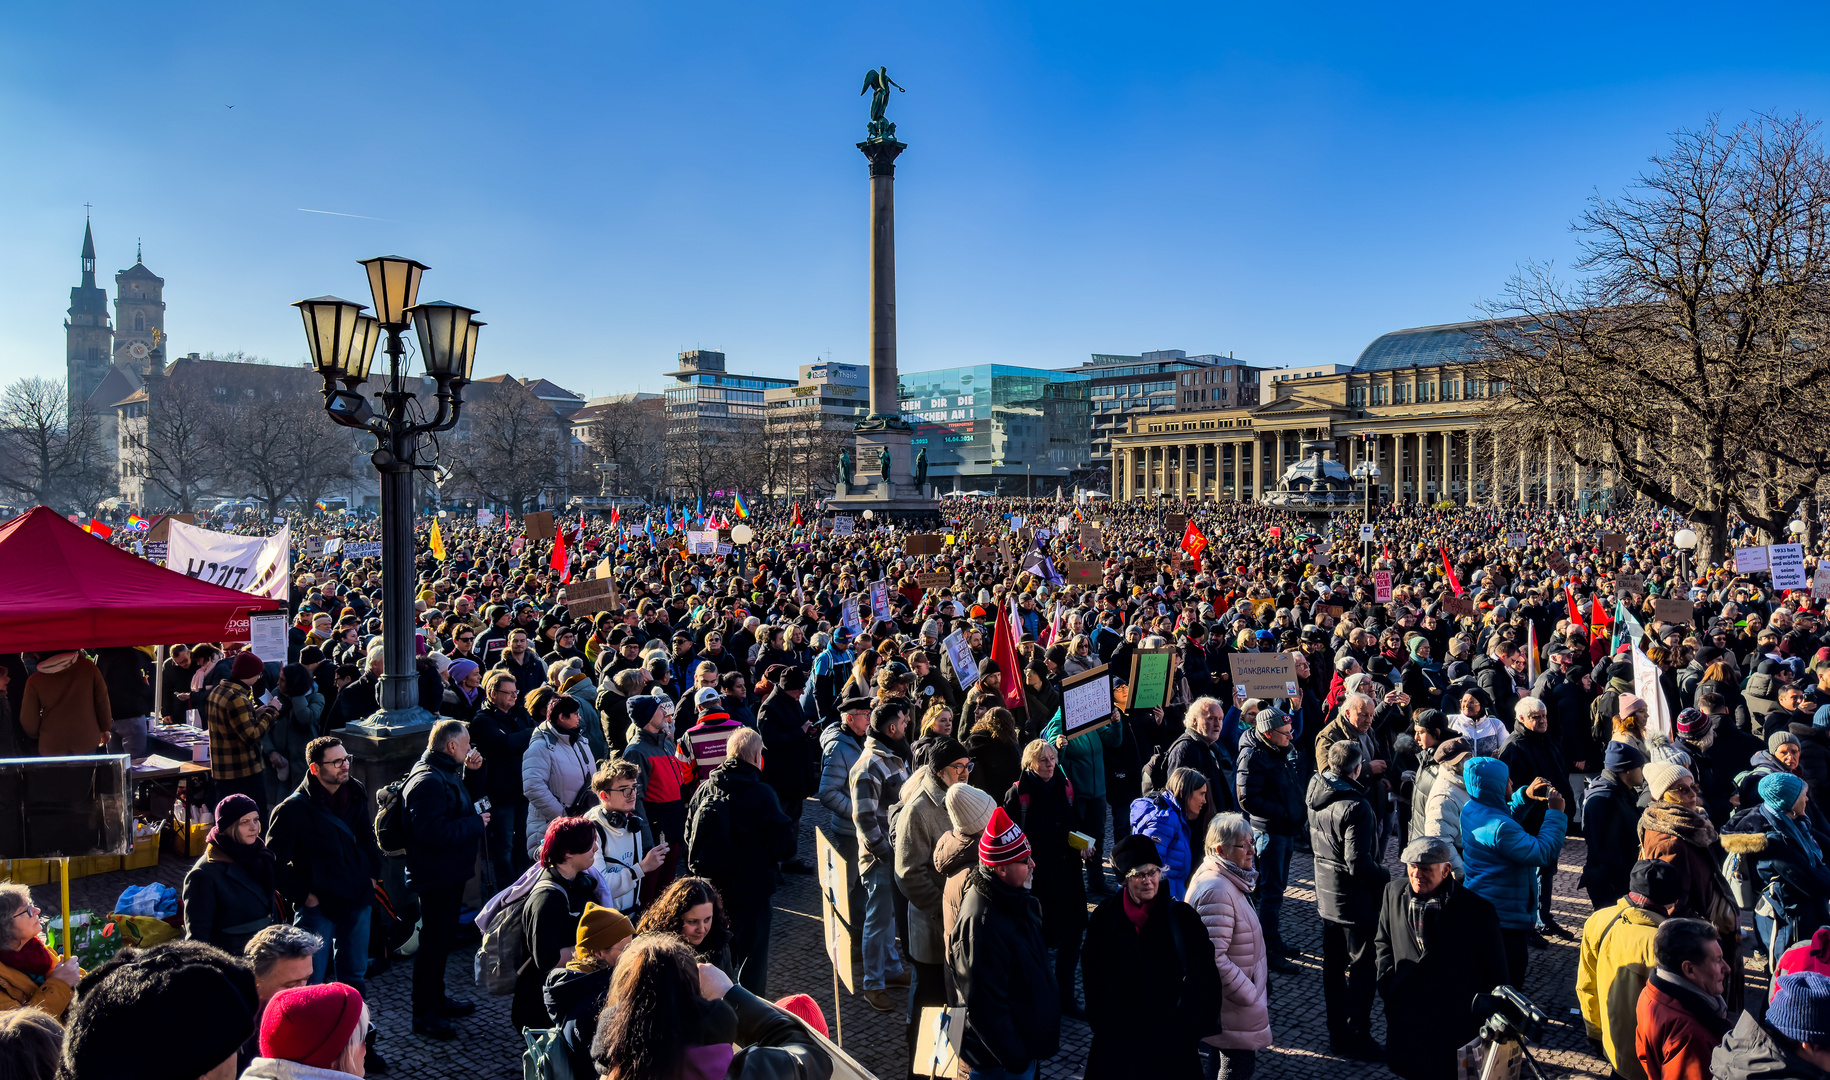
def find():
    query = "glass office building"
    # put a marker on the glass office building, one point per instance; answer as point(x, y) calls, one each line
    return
point(999, 428)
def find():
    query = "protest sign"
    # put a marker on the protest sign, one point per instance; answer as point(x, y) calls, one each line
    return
point(314, 547)
point(843, 525)
point(1820, 580)
point(1613, 541)
point(1557, 560)
point(1090, 540)
point(880, 600)
point(1086, 701)
point(364, 549)
point(1175, 524)
point(938, 1041)
point(267, 635)
point(155, 551)
point(1061, 525)
point(485, 519)
point(250, 564)
point(1382, 586)
point(1750, 560)
point(835, 899)
point(1265, 675)
point(923, 544)
point(1647, 686)
point(959, 654)
point(1087, 573)
point(934, 580)
point(588, 596)
point(1142, 567)
point(1150, 674)
point(849, 618)
point(1673, 611)
point(1516, 539)
point(1630, 583)
point(1367, 533)
point(1458, 605)
point(1786, 562)
point(538, 525)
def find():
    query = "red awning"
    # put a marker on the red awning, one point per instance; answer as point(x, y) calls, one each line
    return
point(61, 588)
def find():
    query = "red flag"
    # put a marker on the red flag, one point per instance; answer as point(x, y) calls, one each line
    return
point(616, 516)
point(797, 514)
point(1193, 542)
point(1010, 669)
point(96, 528)
point(1575, 613)
point(1454, 582)
point(559, 561)
point(1598, 614)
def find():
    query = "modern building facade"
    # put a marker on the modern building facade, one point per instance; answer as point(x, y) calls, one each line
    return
point(706, 397)
point(1410, 407)
point(1120, 386)
point(999, 427)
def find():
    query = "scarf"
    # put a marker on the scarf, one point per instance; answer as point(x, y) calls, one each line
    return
point(253, 858)
point(31, 959)
point(1682, 822)
point(1247, 879)
point(337, 802)
point(1800, 838)
point(1137, 913)
point(1421, 912)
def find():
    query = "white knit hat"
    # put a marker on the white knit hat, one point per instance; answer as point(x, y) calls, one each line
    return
point(969, 808)
point(1660, 775)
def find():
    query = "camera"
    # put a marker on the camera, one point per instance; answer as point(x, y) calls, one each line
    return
point(1510, 1012)
point(482, 806)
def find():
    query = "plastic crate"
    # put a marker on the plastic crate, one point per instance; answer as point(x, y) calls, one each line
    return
point(87, 865)
point(145, 854)
point(25, 871)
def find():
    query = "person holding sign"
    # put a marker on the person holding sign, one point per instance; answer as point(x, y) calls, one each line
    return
point(1083, 759)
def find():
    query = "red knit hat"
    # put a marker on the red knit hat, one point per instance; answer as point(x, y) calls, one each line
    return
point(807, 1009)
point(1002, 841)
point(310, 1024)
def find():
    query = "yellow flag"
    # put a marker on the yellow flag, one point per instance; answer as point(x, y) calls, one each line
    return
point(437, 542)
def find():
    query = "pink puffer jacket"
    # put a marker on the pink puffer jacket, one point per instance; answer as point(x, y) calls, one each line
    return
point(1218, 891)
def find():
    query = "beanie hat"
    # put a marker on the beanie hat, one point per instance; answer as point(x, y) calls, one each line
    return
point(162, 989)
point(1821, 718)
point(1270, 718)
point(600, 928)
point(1629, 702)
point(1622, 757)
point(1781, 738)
point(462, 669)
point(1654, 883)
point(1002, 841)
point(246, 666)
point(310, 1024)
point(945, 750)
point(806, 1010)
point(1780, 790)
point(1689, 722)
point(642, 709)
point(229, 810)
point(1800, 1009)
point(1134, 851)
point(1660, 775)
point(311, 654)
point(969, 808)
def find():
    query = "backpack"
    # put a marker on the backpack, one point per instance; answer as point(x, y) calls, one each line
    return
point(710, 839)
point(504, 951)
point(391, 817)
point(1156, 770)
point(1601, 716)
point(546, 1056)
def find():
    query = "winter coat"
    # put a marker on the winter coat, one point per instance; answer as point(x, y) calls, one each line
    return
point(1044, 810)
point(1083, 759)
point(67, 712)
point(299, 722)
point(1615, 962)
point(955, 854)
point(1162, 980)
point(555, 779)
point(1001, 969)
point(1610, 831)
point(1814, 760)
point(1349, 876)
point(19, 990)
point(574, 996)
point(1803, 887)
point(1160, 817)
point(1495, 680)
point(584, 691)
point(1529, 755)
point(619, 854)
point(839, 750)
point(1221, 895)
point(1442, 814)
point(791, 757)
point(263, 1068)
point(1271, 786)
point(443, 827)
point(1678, 1031)
point(741, 861)
point(550, 921)
point(325, 847)
point(1761, 695)
point(1212, 760)
point(1462, 955)
point(876, 787)
point(529, 671)
point(1751, 1051)
point(663, 773)
point(996, 764)
point(920, 823)
point(128, 673)
point(502, 739)
point(1698, 858)
point(223, 905)
point(1502, 858)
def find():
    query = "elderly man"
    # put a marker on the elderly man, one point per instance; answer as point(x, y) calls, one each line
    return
point(1530, 752)
point(1355, 725)
point(1200, 748)
point(1437, 943)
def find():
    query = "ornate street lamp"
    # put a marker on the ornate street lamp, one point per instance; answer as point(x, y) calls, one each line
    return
point(343, 339)
point(1686, 541)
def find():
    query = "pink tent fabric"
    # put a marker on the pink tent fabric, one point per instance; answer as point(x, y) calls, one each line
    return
point(61, 588)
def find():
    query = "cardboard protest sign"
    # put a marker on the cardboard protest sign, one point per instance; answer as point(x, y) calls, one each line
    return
point(314, 547)
point(1086, 701)
point(1820, 579)
point(1673, 611)
point(1630, 583)
point(1090, 540)
point(934, 580)
point(1150, 676)
point(1557, 560)
point(1090, 573)
point(923, 544)
point(1613, 541)
point(1516, 539)
point(1142, 567)
point(984, 554)
point(1176, 524)
point(1458, 605)
point(1786, 562)
point(538, 525)
point(1265, 675)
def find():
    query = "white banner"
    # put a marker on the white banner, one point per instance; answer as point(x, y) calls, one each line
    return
point(1646, 685)
point(250, 564)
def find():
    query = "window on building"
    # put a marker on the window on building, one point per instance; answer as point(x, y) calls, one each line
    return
point(139, 321)
point(1356, 397)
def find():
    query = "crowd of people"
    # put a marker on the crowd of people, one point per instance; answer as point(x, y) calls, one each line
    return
point(615, 786)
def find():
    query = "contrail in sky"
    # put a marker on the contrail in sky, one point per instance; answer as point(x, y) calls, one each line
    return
point(334, 213)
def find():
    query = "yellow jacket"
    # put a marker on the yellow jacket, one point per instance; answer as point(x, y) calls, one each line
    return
point(1615, 965)
point(17, 990)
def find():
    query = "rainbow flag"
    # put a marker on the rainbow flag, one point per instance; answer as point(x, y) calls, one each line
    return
point(321, 507)
point(137, 523)
point(737, 502)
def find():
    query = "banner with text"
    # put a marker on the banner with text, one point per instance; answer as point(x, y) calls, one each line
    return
point(250, 564)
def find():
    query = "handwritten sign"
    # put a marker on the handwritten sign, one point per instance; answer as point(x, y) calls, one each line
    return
point(1557, 561)
point(1176, 523)
point(1086, 701)
point(1630, 583)
point(1516, 539)
point(1150, 671)
point(923, 544)
point(314, 547)
point(362, 549)
point(538, 525)
point(1786, 562)
point(1090, 540)
point(1673, 611)
point(1613, 541)
point(1750, 560)
point(1142, 567)
point(1265, 675)
point(1382, 586)
point(843, 525)
point(1458, 605)
point(1084, 573)
point(939, 579)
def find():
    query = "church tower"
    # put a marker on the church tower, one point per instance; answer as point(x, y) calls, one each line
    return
point(88, 340)
point(139, 316)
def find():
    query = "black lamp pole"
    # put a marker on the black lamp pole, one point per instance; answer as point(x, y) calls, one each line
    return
point(342, 340)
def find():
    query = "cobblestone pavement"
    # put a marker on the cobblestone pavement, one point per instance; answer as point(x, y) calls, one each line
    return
point(488, 1050)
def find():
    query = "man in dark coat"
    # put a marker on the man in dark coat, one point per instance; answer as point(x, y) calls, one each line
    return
point(1000, 966)
point(1610, 825)
point(502, 730)
point(1271, 792)
point(1348, 882)
point(1153, 990)
point(738, 846)
point(1438, 945)
point(444, 829)
point(791, 756)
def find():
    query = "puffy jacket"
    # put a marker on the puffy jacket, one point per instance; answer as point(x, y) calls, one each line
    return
point(1442, 814)
point(1802, 886)
point(663, 773)
point(1001, 970)
point(1270, 788)
point(1349, 879)
point(1495, 680)
point(1161, 819)
point(839, 751)
point(443, 828)
point(1500, 855)
point(1751, 1051)
point(555, 775)
point(323, 850)
point(1762, 696)
point(1677, 1031)
point(1616, 960)
point(1220, 893)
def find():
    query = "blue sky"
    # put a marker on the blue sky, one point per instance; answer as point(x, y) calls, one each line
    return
point(613, 182)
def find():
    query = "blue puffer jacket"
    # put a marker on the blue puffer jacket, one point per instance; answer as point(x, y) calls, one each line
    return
point(1160, 817)
point(1501, 857)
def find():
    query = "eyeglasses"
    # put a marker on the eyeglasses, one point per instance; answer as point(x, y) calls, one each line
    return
point(623, 789)
point(1146, 873)
point(466, 637)
point(333, 762)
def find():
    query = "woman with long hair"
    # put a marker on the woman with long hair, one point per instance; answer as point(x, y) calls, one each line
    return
point(692, 909)
point(667, 1017)
point(996, 756)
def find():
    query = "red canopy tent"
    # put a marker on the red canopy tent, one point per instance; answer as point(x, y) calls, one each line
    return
point(61, 588)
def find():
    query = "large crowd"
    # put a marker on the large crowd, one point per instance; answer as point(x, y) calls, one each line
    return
point(614, 787)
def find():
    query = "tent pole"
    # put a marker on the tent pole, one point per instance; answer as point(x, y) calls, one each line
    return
point(63, 881)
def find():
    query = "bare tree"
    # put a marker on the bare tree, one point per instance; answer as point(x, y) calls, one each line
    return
point(49, 454)
point(1690, 362)
point(629, 437)
point(179, 454)
point(510, 451)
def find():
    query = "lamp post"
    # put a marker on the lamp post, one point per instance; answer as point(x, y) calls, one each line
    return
point(342, 339)
point(1686, 541)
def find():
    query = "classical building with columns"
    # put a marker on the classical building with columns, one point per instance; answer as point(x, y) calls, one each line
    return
point(1410, 405)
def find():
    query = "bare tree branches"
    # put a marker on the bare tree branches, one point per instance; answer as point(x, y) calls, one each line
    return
point(48, 454)
point(509, 451)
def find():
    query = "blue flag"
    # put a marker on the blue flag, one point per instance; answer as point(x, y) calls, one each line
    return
point(669, 522)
